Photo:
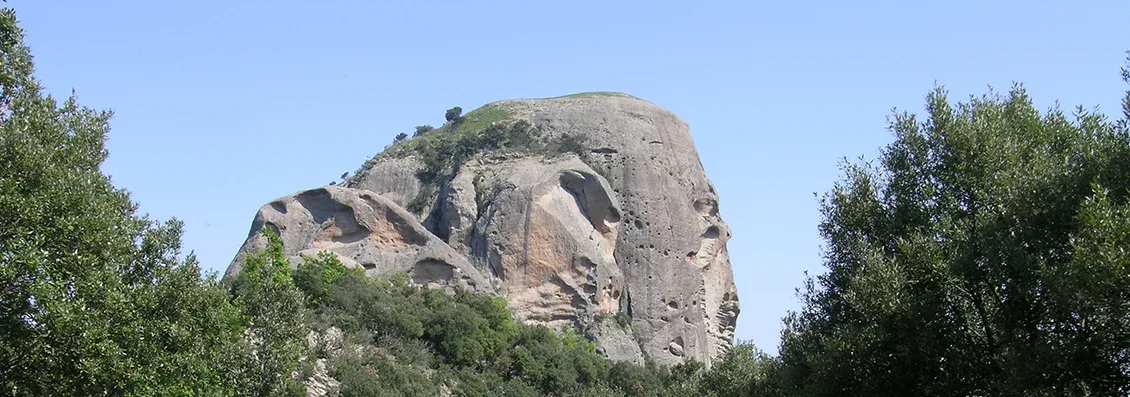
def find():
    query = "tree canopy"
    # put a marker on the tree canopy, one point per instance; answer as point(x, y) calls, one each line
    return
point(982, 254)
point(94, 298)
point(452, 114)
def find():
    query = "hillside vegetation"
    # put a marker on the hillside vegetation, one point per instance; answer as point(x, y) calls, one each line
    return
point(487, 129)
point(385, 336)
point(983, 254)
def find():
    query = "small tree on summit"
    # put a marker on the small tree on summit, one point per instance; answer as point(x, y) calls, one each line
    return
point(423, 129)
point(400, 137)
point(453, 114)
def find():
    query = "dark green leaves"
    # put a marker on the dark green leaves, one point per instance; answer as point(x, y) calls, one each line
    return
point(980, 257)
point(272, 309)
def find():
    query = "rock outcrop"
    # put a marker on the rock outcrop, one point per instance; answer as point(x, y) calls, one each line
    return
point(364, 230)
point(625, 242)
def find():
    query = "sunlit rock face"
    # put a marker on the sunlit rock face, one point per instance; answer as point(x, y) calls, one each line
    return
point(626, 243)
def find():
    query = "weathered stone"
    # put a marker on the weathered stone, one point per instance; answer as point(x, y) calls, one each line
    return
point(332, 342)
point(391, 177)
point(363, 229)
point(548, 233)
point(320, 383)
point(672, 245)
point(457, 211)
point(615, 341)
point(633, 227)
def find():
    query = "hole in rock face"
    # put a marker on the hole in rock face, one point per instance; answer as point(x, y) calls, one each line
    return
point(279, 206)
point(676, 347)
point(673, 304)
point(706, 206)
point(320, 204)
point(639, 225)
point(711, 232)
point(430, 270)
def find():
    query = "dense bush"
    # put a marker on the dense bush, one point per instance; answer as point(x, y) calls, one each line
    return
point(983, 254)
point(96, 299)
point(453, 114)
point(408, 338)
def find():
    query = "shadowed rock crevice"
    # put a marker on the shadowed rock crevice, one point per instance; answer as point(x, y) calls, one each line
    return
point(432, 272)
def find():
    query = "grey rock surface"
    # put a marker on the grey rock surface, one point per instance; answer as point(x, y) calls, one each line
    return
point(615, 341)
point(547, 232)
point(672, 245)
point(364, 230)
point(391, 177)
point(320, 383)
point(632, 227)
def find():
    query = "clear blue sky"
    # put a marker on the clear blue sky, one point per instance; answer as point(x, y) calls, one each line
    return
point(223, 106)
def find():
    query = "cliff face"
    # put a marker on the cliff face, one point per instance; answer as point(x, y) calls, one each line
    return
point(624, 241)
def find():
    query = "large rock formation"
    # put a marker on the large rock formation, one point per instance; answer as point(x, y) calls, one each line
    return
point(364, 230)
point(624, 242)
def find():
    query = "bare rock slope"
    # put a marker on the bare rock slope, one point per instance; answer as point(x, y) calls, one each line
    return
point(624, 241)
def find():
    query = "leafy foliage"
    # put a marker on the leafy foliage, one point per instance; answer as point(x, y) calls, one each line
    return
point(411, 340)
point(983, 255)
point(443, 153)
point(272, 307)
point(95, 299)
point(490, 128)
point(453, 114)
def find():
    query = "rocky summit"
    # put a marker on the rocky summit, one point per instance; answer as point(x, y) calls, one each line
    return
point(590, 210)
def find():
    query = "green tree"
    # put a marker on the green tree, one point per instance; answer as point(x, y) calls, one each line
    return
point(378, 376)
point(422, 129)
point(982, 255)
point(743, 371)
point(315, 276)
point(273, 316)
point(635, 380)
point(94, 299)
point(453, 114)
